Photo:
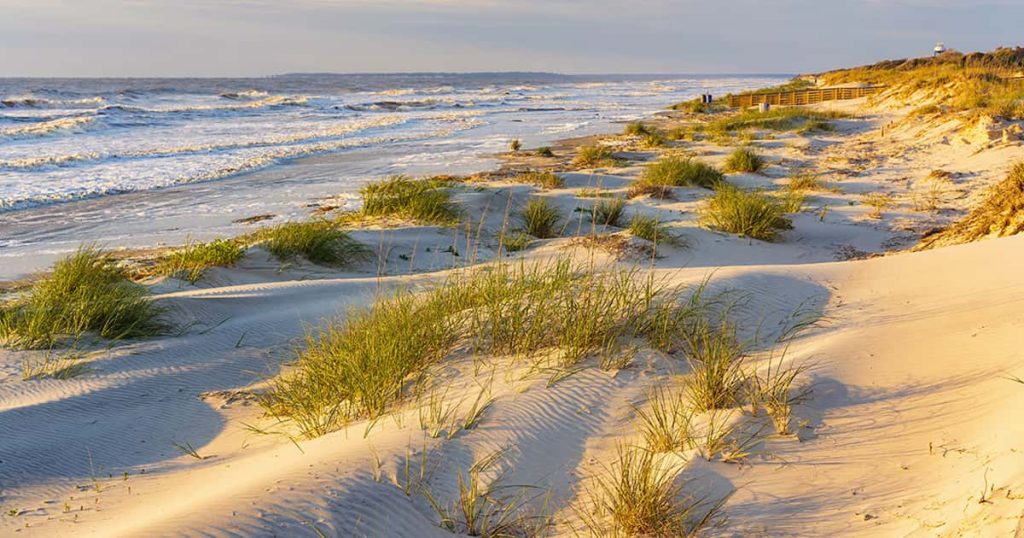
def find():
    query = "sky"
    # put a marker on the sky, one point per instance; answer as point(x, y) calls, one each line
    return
point(266, 37)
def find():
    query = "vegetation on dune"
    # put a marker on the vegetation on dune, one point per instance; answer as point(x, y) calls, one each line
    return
point(594, 156)
point(653, 230)
point(776, 119)
point(976, 83)
point(421, 200)
point(515, 145)
point(85, 292)
point(1001, 214)
point(878, 202)
point(360, 367)
point(318, 241)
point(193, 260)
point(545, 180)
point(804, 180)
point(545, 151)
point(638, 128)
point(675, 171)
point(540, 218)
point(753, 214)
point(608, 211)
point(745, 160)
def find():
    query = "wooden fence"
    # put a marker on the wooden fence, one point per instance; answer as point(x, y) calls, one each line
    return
point(801, 97)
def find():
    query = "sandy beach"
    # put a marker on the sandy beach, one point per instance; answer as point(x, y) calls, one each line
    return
point(900, 419)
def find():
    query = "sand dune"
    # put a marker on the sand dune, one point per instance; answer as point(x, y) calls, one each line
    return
point(910, 427)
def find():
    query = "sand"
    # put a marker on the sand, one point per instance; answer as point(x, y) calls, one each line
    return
point(910, 428)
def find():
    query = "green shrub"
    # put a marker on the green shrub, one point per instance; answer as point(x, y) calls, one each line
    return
point(540, 218)
point(594, 156)
point(752, 214)
point(423, 200)
point(85, 292)
point(745, 160)
point(678, 171)
point(192, 261)
point(318, 241)
point(608, 211)
point(545, 151)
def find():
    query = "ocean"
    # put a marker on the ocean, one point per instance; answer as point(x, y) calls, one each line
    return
point(185, 157)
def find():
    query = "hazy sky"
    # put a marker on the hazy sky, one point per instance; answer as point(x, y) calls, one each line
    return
point(261, 37)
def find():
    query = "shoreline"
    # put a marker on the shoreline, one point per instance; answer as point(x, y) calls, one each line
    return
point(901, 426)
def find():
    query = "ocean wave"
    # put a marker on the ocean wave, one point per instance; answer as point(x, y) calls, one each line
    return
point(244, 95)
point(29, 101)
point(47, 161)
point(47, 127)
point(98, 189)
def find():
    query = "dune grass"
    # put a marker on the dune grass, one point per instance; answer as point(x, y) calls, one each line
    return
point(515, 145)
point(878, 202)
point(640, 496)
point(594, 156)
point(515, 241)
point(556, 314)
point(637, 128)
point(420, 200)
point(678, 171)
point(745, 160)
point(544, 180)
point(318, 241)
point(193, 260)
point(540, 218)
point(1001, 214)
point(651, 229)
point(608, 211)
point(776, 119)
point(85, 292)
point(805, 180)
point(545, 151)
point(753, 214)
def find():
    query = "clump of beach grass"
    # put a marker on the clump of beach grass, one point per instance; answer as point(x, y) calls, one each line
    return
point(193, 260)
point(666, 423)
point(640, 496)
point(318, 241)
point(878, 202)
point(752, 214)
point(515, 241)
point(804, 180)
point(540, 218)
point(556, 314)
point(608, 211)
point(777, 119)
point(1001, 214)
point(515, 145)
point(675, 171)
point(637, 128)
point(544, 180)
point(594, 156)
point(421, 200)
point(651, 229)
point(745, 160)
point(545, 151)
point(85, 292)
point(653, 140)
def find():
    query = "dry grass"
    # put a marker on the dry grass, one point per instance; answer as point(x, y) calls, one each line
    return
point(745, 160)
point(544, 180)
point(594, 156)
point(878, 203)
point(1001, 214)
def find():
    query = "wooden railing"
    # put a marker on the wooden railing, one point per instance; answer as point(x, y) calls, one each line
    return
point(801, 97)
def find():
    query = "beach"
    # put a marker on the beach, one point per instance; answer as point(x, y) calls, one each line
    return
point(898, 417)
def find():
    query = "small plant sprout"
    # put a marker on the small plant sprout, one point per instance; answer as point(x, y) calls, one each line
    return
point(187, 449)
point(515, 145)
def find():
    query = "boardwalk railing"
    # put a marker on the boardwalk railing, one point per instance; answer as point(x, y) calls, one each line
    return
point(801, 97)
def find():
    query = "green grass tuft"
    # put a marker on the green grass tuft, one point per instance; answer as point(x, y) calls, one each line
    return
point(544, 180)
point(608, 211)
point(421, 200)
point(637, 128)
point(594, 156)
point(318, 241)
point(192, 261)
point(85, 292)
point(674, 171)
point(545, 151)
point(540, 218)
point(745, 160)
point(752, 214)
